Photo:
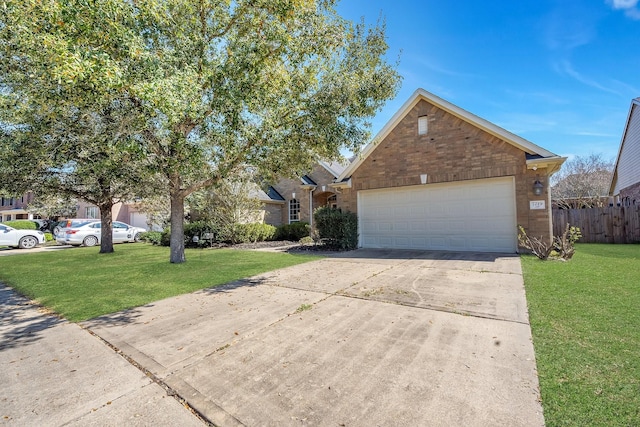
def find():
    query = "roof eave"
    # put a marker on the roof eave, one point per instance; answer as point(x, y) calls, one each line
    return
point(552, 164)
point(341, 184)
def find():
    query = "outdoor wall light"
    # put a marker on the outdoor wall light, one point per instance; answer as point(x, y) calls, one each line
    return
point(293, 195)
point(538, 187)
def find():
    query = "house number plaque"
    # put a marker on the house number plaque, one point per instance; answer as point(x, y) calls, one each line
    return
point(536, 204)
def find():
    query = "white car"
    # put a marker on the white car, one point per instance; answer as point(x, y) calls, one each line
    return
point(23, 239)
point(88, 233)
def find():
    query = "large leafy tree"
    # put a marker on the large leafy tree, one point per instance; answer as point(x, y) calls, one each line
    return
point(68, 127)
point(225, 85)
point(271, 84)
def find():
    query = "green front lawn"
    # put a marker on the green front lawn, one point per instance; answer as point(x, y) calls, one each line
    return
point(585, 320)
point(80, 283)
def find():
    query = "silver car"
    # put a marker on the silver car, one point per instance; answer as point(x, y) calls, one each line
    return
point(88, 233)
point(23, 239)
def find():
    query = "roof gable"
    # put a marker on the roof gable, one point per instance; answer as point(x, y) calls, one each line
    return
point(538, 156)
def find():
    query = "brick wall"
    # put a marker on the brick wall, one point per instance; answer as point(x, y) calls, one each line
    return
point(273, 213)
point(288, 186)
point(452, 150)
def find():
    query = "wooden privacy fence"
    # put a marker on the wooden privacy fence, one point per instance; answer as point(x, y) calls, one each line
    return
point(616, 224)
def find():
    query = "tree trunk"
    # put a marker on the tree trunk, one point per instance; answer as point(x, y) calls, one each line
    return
point(177, 226)
point(106, 232)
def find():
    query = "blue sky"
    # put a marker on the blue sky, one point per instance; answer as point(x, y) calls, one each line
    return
point(560, 73)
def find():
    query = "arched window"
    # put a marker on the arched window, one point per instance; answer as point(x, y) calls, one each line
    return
point(294, 210)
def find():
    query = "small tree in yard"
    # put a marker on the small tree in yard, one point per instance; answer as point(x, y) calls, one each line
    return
point(231, 202)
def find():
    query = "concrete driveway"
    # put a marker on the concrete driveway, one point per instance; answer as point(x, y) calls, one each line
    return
point(366, 338)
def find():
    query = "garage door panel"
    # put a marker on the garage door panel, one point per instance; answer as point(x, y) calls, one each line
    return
point(470, 215)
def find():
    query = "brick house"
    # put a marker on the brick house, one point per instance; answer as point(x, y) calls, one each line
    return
point(438, 177)
point(294, 200)
point(625, 185)
point(12, 208)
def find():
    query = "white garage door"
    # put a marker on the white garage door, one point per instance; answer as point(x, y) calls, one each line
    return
point(477, 215)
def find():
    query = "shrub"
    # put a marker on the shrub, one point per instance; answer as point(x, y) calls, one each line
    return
point(165, 238)
point(239, 233)
point(199, 228)
point(337, 228)
point(48, 237)
point(153, 237)
point(562, 247)
point(23, 224)
point(251, 233)
point(307, 240)
point(294, 231)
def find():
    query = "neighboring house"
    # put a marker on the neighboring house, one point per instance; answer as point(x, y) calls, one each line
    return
point(625, 185)
point(12, 208)
point(438, 177)
point(294, 200)
point(123, 212)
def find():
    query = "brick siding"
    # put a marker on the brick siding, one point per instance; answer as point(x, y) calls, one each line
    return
point(288, 186)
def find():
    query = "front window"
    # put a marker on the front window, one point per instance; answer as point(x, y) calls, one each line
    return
point(91, 212)
point(294, 210)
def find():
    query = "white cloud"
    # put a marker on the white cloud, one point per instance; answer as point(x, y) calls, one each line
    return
point(565, 67)
point(630, 7)
point(623, 4)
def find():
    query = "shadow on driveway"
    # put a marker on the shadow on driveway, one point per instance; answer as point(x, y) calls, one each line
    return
point(19, 320)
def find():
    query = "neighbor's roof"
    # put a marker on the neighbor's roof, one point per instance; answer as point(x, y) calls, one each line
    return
point(546, 158)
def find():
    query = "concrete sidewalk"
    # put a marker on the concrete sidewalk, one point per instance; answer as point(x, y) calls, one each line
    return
point(55, 373)
point(402, 338)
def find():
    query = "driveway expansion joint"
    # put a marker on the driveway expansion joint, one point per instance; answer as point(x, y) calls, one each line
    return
point(169, 390)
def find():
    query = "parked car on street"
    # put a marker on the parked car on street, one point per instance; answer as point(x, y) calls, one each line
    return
point(23, 239)
point(87, 233)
